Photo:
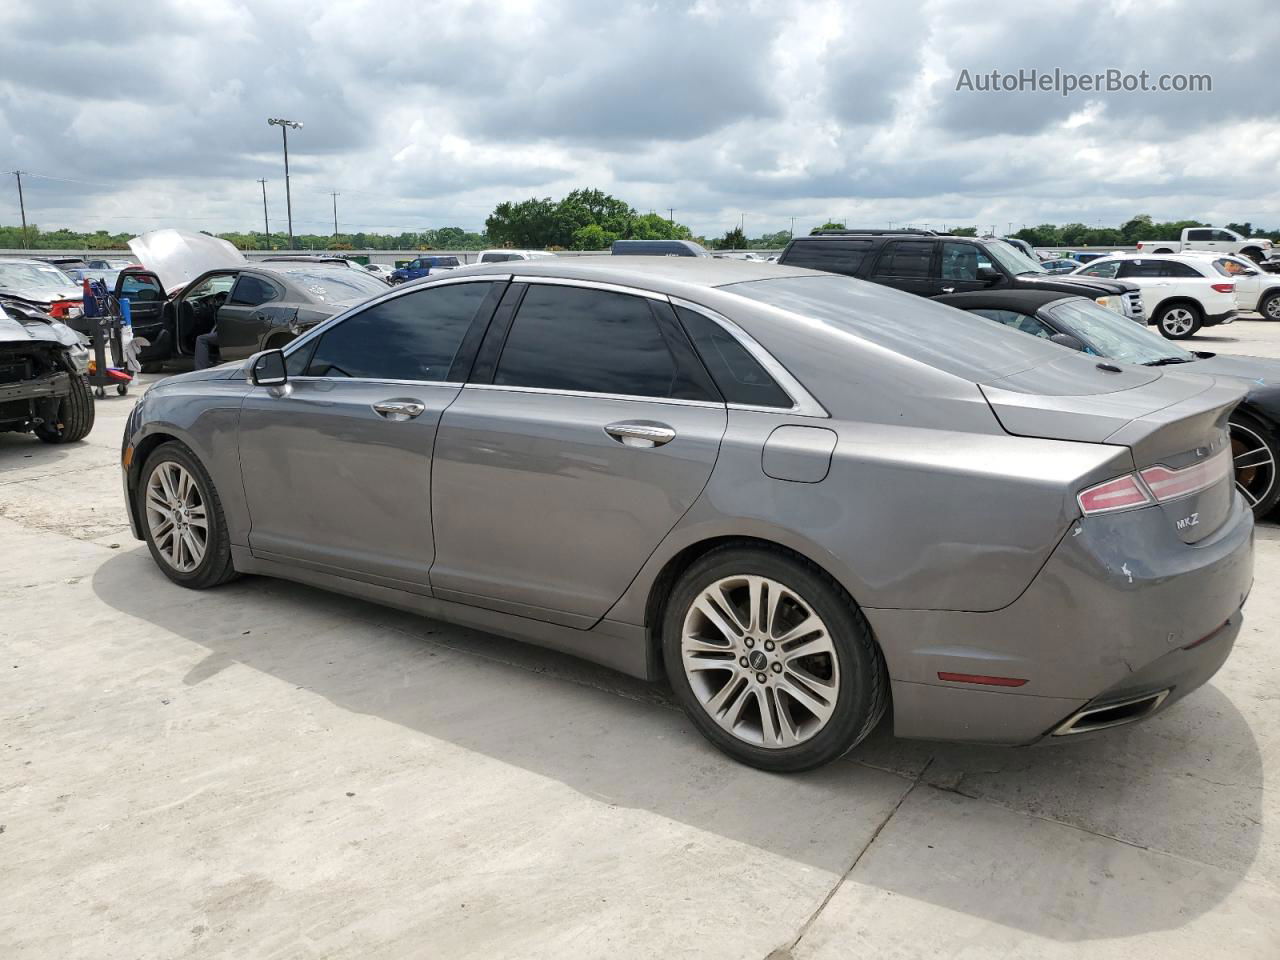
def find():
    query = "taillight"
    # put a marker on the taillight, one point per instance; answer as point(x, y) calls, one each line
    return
point(1166, 484)
point(1222, 287)
point(1118, 494)
point(1139, 244)
point(1158, 484)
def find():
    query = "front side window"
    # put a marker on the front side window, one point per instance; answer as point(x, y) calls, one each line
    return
point(960, 261)
point(1106, 269)
point(596, 341)
point(219, 284)
point(906, 258)
point(412, 337)
point(1223, 235)
point(496, 257)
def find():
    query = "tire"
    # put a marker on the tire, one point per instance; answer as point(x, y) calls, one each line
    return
point(1270, 305)
point(1179, 320)
point(214, 565)
point(717, 670)
point(75, 415)
point(1255, 450)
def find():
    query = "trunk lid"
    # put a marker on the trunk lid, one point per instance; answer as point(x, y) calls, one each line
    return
point(1170, 420)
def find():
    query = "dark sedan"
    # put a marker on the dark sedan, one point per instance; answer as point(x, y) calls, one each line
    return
point(254, 307)
point(1081, 324)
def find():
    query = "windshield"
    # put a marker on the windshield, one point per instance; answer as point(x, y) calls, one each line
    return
point(1012, 259)
point(35, 278)
point(336, 284)
point(1111, 335)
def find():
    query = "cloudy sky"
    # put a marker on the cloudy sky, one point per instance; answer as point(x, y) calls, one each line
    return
point(426, 114)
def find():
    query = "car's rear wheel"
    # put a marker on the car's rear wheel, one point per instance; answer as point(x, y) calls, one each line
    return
point(1270, 305)
point(1178, 321)
point(182, 519)
point(75, 415)
point(771, 659)
point(1255, 451)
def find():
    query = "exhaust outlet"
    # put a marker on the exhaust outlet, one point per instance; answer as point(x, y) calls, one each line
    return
point(1103, 715)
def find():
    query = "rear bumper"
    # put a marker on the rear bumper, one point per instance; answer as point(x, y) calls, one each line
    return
point(1213, 319)
point(1117, 612)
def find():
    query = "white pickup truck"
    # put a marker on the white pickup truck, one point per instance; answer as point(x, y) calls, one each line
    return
point(1212, 239)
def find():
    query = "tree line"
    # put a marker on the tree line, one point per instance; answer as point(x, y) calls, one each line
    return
point(589, 219)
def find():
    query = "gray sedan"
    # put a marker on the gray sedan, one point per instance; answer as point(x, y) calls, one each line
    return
point(805, 500)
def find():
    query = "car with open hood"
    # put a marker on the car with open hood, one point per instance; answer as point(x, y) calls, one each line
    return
point(804, 499)
point(189, 284)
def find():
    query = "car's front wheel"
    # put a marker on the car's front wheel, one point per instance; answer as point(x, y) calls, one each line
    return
point(182, 518)
point(75, 415)
point(771, 659)
point(1178, 321)
point(1255, 451)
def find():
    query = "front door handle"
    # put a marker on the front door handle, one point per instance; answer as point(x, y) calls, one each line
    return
point(398, 410)
point(948, 289)
point(641, 433)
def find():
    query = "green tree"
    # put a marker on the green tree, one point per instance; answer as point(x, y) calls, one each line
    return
point(592, 237)
point(964, 231)
point(828, 226)
point(527, 223)
point(774, 241)
point(734, 239)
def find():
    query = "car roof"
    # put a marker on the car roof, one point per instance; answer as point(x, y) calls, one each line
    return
point(671, 275)
point(1023, 301)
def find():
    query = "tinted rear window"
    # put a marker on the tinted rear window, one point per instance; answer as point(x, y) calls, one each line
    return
point(952, 340)
point(831, 256)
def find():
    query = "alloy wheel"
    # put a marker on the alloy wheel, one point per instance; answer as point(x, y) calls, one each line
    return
point(760, 661)
point(176, 516)
point(1273, 308)
point(1254, 464)
point(1178, 321)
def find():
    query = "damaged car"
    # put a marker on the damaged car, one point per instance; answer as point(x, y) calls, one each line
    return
point(43, 388)
point(191, 284)
point(41, 286)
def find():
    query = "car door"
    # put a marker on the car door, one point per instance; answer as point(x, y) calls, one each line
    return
point(908, 265)
point(587, 431)
point(241, 320)
point(337, 462)
point(145, 294)
point(958, 267)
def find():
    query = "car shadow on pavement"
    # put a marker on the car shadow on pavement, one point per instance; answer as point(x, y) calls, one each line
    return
point(1184, 789)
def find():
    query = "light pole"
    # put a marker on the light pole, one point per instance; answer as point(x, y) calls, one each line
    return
point(335, 213)
point(266, 224)
point(284, 126)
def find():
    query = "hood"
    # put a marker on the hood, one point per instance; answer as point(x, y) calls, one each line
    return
point(1070, 283)
point(43, 287)
point(1255, 371)
point(178, 256)
point(15, 330)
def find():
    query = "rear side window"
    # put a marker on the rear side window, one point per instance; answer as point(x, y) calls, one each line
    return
point(496, 257)
point(1142, 268)
point(905, 258)
point(250, 291)
point(735, 371)
point(595, 341)
point(413, 337)
point(833, 256)
point(1175, 269)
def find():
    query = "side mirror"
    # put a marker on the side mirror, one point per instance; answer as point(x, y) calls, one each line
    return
point(267, 368)
point(988, 274)
point(1067, 340)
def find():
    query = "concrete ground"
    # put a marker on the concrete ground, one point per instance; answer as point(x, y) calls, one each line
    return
point(266, 770)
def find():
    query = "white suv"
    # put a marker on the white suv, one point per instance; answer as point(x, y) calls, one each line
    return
point(1256, 290)
point(502, 256)
point(1180, 292)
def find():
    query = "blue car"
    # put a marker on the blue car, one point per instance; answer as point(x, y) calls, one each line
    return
point(422, 267)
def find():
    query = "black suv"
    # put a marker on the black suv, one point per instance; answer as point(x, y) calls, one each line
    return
point(932, 264)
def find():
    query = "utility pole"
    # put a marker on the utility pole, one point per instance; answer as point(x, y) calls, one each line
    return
point(22, 207)
point(335, 212)
point(266, 224)
point(284, 126)
point(671, 216)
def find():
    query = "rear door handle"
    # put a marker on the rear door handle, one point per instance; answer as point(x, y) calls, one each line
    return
point(948, 289)
point(398, 410)
point(644, 433)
